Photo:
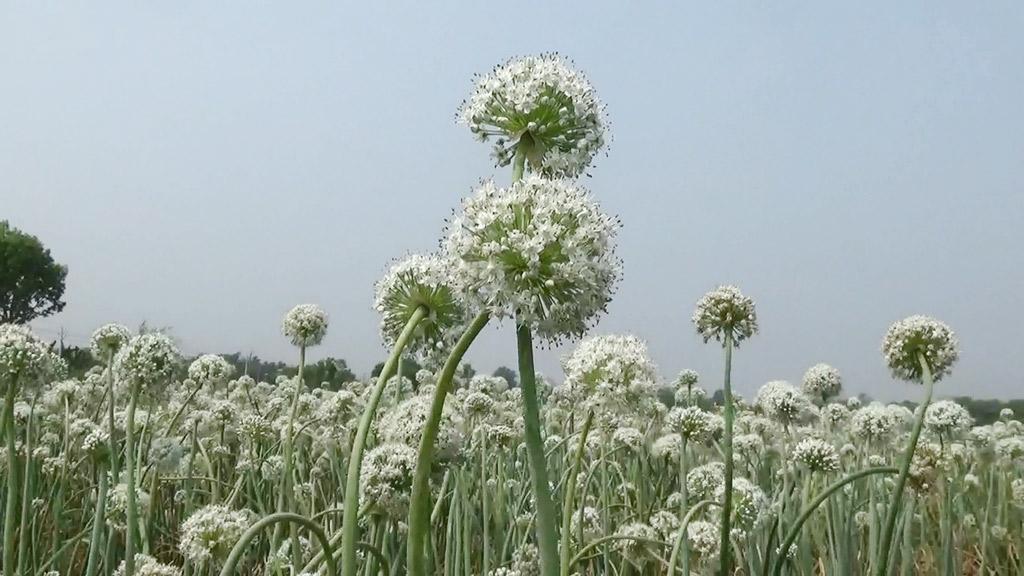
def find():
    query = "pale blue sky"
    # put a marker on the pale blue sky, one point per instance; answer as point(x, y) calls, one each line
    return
point(206, 165)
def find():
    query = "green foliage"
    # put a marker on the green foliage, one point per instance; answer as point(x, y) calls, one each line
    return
point(31, 282)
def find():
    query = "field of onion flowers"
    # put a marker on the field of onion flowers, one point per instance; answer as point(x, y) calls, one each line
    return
point(154, 465)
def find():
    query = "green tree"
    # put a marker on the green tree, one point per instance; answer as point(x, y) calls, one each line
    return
point(329, 373)
point(31, 282)
point(509, 375)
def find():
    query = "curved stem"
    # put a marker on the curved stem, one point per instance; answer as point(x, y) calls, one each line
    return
point(243, 543)
point(570, 492)
point(727, 415)
point(682, 530)
point(882, 561)
point(350, 523)
point(419, 509)
point(794, 531)
point(546, 527)
point(582, 553)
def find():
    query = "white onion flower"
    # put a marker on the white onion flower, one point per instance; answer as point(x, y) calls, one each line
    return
point(725, 310)
point(305, 325)
point(386, 478)
point(107, 340)
point(147, 359)
point(691, 423)
point(541, 104)
point(148, 566)
point(782, 401)
point(414, 282)
point(817, 455)
point(920, 335)
point(540, 250)
point(822, 381)
point(210, 370)
point(23, 356)
point(210, 532)
point(947, 417)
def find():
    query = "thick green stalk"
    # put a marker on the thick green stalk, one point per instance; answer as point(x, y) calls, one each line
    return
point(419, 501)
point(97, 523)
point(682, 534)
point(794, 531)
point(129, 467)
point(11, 509)
point(882, 561)
point(115, 471)
point(546, 527)
point(350, 522)
point(727, 415)
point(682, 547)
point(570, 493)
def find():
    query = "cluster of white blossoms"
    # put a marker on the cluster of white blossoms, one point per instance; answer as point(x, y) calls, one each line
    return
point(636, 544)
point(873, 422)
point(148, 566)
point(210, 532)
point(783, 402)
point(386, 478)
point(822, 381)
point(107, 340)
point(704, 538)
point(585, 524)
point(22, 355)
point(540, 250)
point(703, 481)
point(947, 417)
point(917, 336)
point(541, 105)
point(725, 311)
point(404, 424)
point(414, 282)
point(305, 325)
point(147, 359)
point(210, 370)
point(691, 422)
point(612, 375)
point(817, 455)
point(749, 502)
point(117, 505)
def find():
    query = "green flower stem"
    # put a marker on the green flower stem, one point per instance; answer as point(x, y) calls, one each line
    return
point(682, 546)
point(882, 561)
point(350, 522)
point(115, 471)
point(419, 500)
point(11, 508)
point(794, 530)
point(242, 545)
point(681, 535)
point(129, 467)
point(547, 528)
point(727, 415)
point(570, 492)
point(97, 523)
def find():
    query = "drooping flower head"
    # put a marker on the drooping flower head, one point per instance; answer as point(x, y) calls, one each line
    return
point(920, 335)
point(541, 104)
point(541, 250)
point(822, 381)
point(414, 282)
point(725, 310)
point(305, 325)
point(210, 370)
point(107, 340)
point(23, 356)
point(147, 359)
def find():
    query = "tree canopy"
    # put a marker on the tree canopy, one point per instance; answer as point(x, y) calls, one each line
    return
point(31, 282)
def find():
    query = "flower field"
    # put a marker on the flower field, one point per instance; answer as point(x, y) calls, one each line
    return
point(153, 464)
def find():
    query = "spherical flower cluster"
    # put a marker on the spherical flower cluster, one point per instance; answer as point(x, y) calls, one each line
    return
point(147, 359)
point(404, 424)
point(305, 325)
point(667, 446)
point(816, 455)
point(691, 423)
point(917, 336)
point(749, 502)
point(117, 505)
point(148, 566)
point(687, 379)
point(541, 105)
point(540, 250)
point(629, 438)
point(725, 311)
point(210, 370)
point(782, 401)
point(414, 282)
point(834, 414)
point(107, 340)
point(635, 546)
point(665, 524)
point(822, 381)
point(585, 524)
point(703, 481)
point(211, 532)
point(1010, 449)
point(704, 538)
point(386, 478)
point(872, 422)
point(947, 417)
point(22, 355)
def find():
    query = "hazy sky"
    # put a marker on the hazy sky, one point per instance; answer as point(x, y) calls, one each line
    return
point(207, 165)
